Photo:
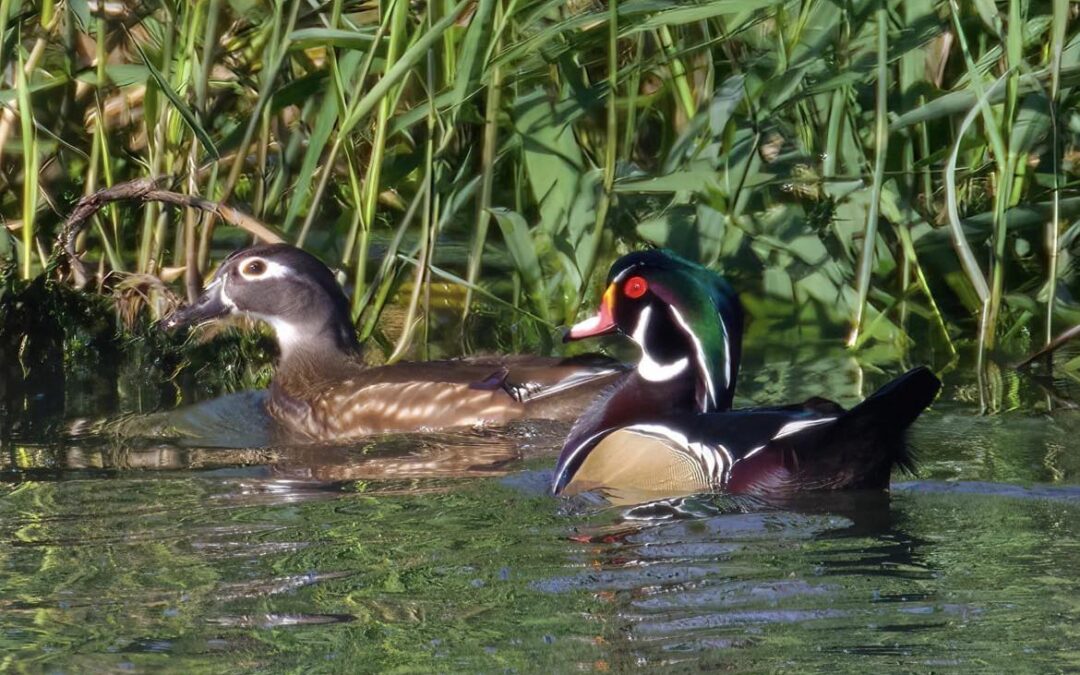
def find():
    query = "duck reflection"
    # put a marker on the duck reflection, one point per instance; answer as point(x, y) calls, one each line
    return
point(233, 435)
point(699, 577)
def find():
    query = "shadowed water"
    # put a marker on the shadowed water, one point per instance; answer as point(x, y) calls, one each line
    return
point(178, 541)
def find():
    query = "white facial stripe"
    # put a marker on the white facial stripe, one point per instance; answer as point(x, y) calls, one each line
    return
point(727, 353)
point(276, 270)
point(648, 368)
point(795, 427)
point(702, 365)
point(271, 269)
point(622, 275)
point(697, 345)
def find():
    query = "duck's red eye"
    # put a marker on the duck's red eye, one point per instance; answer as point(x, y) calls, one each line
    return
point(635, 287)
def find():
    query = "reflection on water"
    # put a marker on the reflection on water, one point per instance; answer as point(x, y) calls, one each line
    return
point(234, 431)
point(188, 541)
point(808, 591)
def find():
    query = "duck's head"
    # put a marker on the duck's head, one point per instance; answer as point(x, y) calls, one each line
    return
point(286, 287)
point(683, 316)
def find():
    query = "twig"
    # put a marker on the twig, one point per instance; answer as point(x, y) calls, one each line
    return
point(1051, 346)
point(146, 190)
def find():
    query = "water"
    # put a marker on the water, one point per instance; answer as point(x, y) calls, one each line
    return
point(153, 543)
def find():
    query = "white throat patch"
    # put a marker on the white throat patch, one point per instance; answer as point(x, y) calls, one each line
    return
point(288, 336)
point(648, 368)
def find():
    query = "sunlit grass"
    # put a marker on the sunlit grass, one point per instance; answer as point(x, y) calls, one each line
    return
point(865, 166)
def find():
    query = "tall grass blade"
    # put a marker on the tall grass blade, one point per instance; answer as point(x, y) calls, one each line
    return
point(611, 144)
point(325, 120)
point(400, 69)
point(963, 250)
point(1053, 227)
point(275, 52)
point(881, 142)
point(181, 107)
point(472, 49)
point(518, 241)
point(30, 168)
point(492, 103)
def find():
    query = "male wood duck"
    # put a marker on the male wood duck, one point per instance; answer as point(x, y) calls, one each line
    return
point(322, 391)
point(666, 431)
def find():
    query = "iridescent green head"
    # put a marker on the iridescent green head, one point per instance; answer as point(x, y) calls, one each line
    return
point(682, 315)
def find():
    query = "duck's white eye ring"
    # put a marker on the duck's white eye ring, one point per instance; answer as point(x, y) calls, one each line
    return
point(253, 268)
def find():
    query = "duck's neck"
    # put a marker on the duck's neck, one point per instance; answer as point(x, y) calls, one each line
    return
point(685, 379)
point(311, 357)
point(690, 346)
point(634, 400)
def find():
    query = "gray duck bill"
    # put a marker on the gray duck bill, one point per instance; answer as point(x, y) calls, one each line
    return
point(209, 306)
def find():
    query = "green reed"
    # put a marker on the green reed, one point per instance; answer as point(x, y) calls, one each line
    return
point(902, 168)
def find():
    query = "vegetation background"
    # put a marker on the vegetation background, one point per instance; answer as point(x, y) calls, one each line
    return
point(899, 173)
point(900, 176)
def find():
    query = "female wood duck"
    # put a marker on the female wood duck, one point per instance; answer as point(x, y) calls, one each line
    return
point(321, 390)
point(665, 431)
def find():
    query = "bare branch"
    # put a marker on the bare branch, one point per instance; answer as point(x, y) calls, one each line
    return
point(1051, 347)
point(146, 190)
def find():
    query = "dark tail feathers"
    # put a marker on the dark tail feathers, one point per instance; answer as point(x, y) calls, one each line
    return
point(901, 401)
point(888, 412)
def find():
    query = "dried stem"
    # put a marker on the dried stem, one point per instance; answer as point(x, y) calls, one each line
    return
point(146, 190)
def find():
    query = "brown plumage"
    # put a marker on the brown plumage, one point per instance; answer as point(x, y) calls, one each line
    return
point(323, 392)
point(347, 399)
